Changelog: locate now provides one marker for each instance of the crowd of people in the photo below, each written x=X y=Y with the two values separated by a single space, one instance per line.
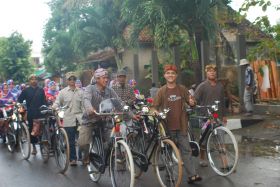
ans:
x=83 y=102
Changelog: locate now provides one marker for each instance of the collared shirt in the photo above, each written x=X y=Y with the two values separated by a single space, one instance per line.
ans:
x=125 y=92
x=91 y=100
x=72 y=99
x=207 y=94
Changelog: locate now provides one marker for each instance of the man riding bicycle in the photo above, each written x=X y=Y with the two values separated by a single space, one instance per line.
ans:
x=93 y=95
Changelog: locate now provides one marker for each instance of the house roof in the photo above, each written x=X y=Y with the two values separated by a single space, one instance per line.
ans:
x=100 y=55
x=251 y=31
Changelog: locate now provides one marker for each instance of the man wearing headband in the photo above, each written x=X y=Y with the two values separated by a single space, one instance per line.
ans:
x=71 y=96
x=174 y=96
x=35 y=98
x=207 y=93
x=93 y=95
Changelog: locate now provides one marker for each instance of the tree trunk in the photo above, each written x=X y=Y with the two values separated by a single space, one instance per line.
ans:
x=118 y=59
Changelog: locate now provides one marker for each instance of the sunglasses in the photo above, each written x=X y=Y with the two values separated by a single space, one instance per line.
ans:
x=72 y=79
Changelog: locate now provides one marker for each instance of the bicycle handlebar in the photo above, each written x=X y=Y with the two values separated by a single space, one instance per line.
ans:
x=108 y=114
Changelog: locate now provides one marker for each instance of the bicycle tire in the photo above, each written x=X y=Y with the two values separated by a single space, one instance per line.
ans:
x=133 y=141
x=11 y=137
x=62 y=150
x=24 y=140
x=168 y=177
x=161 y=128
x=219 y=144
x=44 y=146
x=45 y=153
x=122 y=160
x=95 y=147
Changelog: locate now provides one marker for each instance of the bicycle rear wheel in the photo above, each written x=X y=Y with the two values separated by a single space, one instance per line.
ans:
x=222 y=151
x=92 y=167
x=61 y=150
x=121 y=165
x=24 y=140
x=168 y=164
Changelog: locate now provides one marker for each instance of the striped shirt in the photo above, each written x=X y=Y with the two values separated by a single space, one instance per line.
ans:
x=92 y=98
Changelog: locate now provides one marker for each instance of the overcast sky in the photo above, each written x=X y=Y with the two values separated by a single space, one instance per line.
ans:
x=28 y=17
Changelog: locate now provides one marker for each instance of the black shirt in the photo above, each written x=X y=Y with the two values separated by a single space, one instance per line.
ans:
x=35 y=98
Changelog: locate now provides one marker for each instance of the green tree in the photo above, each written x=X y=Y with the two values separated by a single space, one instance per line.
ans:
x=58 y=51
x=14 y=58
x=165 y=19
x=99 y=26
x=268 y=48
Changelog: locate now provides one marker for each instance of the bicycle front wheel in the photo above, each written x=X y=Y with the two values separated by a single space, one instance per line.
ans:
x=61 y=150
x=136 y=144
x=168 y=164
x=24 y=140
x=222 y=151
x=121 y=165
x=11 y=137
x=96 y=164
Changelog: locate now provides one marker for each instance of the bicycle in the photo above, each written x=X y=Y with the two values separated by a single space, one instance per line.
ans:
x=118 y=155
x=54 y=137
x=15 y=131
x=23 y=135
x=8 y=129
x=221 y=145
x=148 y=141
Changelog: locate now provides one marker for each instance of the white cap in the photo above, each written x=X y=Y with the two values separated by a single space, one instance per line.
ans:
x=243 y=62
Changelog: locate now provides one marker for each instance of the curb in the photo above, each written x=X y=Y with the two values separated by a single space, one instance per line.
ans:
x=238 y=123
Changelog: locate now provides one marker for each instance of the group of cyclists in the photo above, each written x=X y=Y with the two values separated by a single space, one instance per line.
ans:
x=83 y=106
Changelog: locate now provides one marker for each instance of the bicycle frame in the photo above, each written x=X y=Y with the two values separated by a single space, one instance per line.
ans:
x=100 y=160
x=154 y=141
x=212 y=123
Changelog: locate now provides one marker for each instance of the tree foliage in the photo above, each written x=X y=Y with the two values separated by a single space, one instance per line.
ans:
x=90 y=25
x=268 y=48
x=166 y=18
x=59 y=55
x=99 y=26
x=15 y=58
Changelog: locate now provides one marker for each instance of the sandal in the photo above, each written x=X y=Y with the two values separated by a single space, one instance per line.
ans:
x=194 y=178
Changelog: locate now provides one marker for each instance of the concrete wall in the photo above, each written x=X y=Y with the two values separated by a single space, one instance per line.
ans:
x=145 y=57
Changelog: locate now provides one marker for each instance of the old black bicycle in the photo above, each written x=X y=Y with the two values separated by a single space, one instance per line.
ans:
x=219 y=142
x=149 y=145
x=53 y=138
x=114 y=152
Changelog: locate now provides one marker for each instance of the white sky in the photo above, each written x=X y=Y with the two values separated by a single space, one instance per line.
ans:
x=254 y=12
x=28 y=17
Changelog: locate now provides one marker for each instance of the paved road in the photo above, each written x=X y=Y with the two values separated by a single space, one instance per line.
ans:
x=259 y=166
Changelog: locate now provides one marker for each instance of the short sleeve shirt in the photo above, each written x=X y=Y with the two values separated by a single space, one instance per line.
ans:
x=174 y=103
